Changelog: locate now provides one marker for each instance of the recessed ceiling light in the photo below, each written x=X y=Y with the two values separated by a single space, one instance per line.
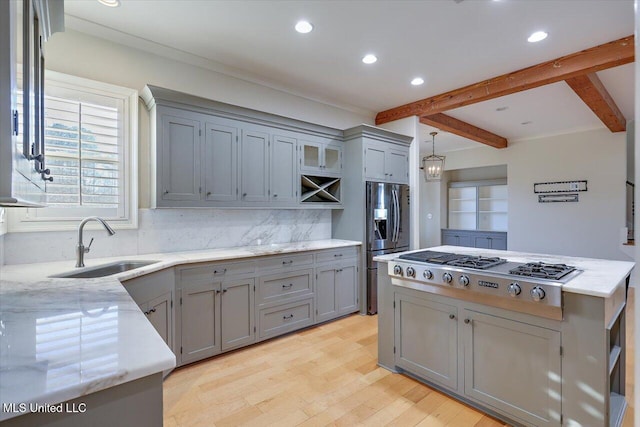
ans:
x=537 y=36
x=110 y=3
x=304 y=27
x=369 y=59
x=417 y=81
x=501 y=108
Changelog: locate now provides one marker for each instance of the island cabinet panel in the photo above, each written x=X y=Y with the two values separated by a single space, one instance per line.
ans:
x=426 y=339
x=180 y=149
x=220 y=157
x=529 y=356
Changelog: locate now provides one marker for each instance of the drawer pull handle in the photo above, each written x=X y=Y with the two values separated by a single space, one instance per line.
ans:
x=290 y=316
x=287 y=262
x=153 y=310
x=287 y=286
x=337 y=255
x=339 y=270
x=467 y=321
x=223 y=271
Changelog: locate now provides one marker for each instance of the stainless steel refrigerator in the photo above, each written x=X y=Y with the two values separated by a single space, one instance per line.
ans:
x=387 y=229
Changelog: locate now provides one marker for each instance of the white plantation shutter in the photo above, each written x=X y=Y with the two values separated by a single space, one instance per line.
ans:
x=90 y=134
x=83 y=153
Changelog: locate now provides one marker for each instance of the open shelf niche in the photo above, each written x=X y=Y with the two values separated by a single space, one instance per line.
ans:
x=319 y=189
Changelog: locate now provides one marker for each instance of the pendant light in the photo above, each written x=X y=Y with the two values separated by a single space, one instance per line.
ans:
x=433 y=165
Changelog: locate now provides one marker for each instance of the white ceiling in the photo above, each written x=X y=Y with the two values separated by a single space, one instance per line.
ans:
x=450 y=44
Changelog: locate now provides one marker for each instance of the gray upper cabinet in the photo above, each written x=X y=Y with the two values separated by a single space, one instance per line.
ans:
x=211 y=154
x=283 y=179
x=180 y=149
x=384 y=162
x=254 y=166
x=221 y=167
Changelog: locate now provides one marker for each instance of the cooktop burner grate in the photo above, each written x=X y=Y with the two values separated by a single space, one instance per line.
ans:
x=542 y=270
x=478 y=262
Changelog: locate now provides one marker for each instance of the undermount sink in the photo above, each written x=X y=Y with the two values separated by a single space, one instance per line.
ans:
x=103 y=270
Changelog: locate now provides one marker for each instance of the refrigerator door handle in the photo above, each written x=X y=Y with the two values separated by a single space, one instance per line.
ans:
x=396 y=216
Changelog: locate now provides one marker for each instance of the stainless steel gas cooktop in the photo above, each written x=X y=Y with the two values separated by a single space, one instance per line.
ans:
x=534 y=287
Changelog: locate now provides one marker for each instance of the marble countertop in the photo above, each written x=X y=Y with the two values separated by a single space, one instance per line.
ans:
x=599 y=277
x=65 y=338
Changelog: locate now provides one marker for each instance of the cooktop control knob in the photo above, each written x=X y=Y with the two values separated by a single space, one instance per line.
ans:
x=537 y=293
x=411 y=272
x=464 y=280
x=397 y=270
x=447 y=277
x=427 y=274
x=514 y=289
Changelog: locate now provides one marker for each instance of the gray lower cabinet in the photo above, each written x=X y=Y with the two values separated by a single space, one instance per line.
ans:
x=336 y=291
x=216 y=309
x=426 y=339
x=527 y=354
x=284 y=318
x=475 y=239
x=509 y=366
x=154 y=295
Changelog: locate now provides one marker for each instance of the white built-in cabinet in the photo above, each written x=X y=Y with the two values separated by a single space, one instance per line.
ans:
x=210 y=154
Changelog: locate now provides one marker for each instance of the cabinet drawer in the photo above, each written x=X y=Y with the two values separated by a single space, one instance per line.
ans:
x=214 y=272
x=285 y=261
x=285 y=318
x=337 y=254
x=277 y=287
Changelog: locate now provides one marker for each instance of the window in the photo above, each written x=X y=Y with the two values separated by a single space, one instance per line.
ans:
x=91 y=150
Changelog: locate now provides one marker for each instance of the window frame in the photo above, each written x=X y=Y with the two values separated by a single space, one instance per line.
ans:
x=36 y=219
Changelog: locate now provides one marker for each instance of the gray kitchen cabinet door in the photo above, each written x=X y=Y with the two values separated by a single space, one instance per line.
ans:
x=326 y=307
x=311 y=156
x=397 y=166
x=374 y=162
x=180 y=148
x=283 y=182
x=426 y=339
x=520 y=363
x=346 y=289
x=254 y=158
x=220 y=162
x=200 y=315
x=237 y=313
x=159 y=313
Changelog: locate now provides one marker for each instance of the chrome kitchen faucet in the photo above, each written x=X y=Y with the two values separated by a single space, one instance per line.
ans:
x=80 y=249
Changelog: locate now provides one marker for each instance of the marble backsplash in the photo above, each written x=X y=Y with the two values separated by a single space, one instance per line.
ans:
x=173 y=230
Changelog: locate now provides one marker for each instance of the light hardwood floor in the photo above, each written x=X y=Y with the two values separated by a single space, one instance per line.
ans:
x=326 y=375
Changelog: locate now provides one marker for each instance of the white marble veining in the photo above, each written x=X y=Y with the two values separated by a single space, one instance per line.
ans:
x=40 y=271
x=599 y=277
x=171 y=230
x=64 y=338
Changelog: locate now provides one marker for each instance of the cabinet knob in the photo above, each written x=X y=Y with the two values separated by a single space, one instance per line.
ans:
x=166 y=191
x=275 y=195
x=244 y=194
x=467 y=321
x=208 y=193
x=452 y=316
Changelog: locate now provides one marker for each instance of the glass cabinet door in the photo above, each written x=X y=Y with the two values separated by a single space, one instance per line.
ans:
x=311 y=156
x=332 y=155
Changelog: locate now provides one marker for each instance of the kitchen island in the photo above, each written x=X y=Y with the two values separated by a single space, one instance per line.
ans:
x=484 y=339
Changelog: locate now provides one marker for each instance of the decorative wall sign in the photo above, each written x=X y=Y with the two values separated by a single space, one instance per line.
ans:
x=551 y=198
x=559 y=187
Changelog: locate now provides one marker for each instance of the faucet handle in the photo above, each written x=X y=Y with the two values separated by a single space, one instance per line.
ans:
x=88 y=248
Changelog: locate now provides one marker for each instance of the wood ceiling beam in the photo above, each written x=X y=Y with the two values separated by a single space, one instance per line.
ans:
x=608 y=55
x=591 y=90
x=466 y=130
